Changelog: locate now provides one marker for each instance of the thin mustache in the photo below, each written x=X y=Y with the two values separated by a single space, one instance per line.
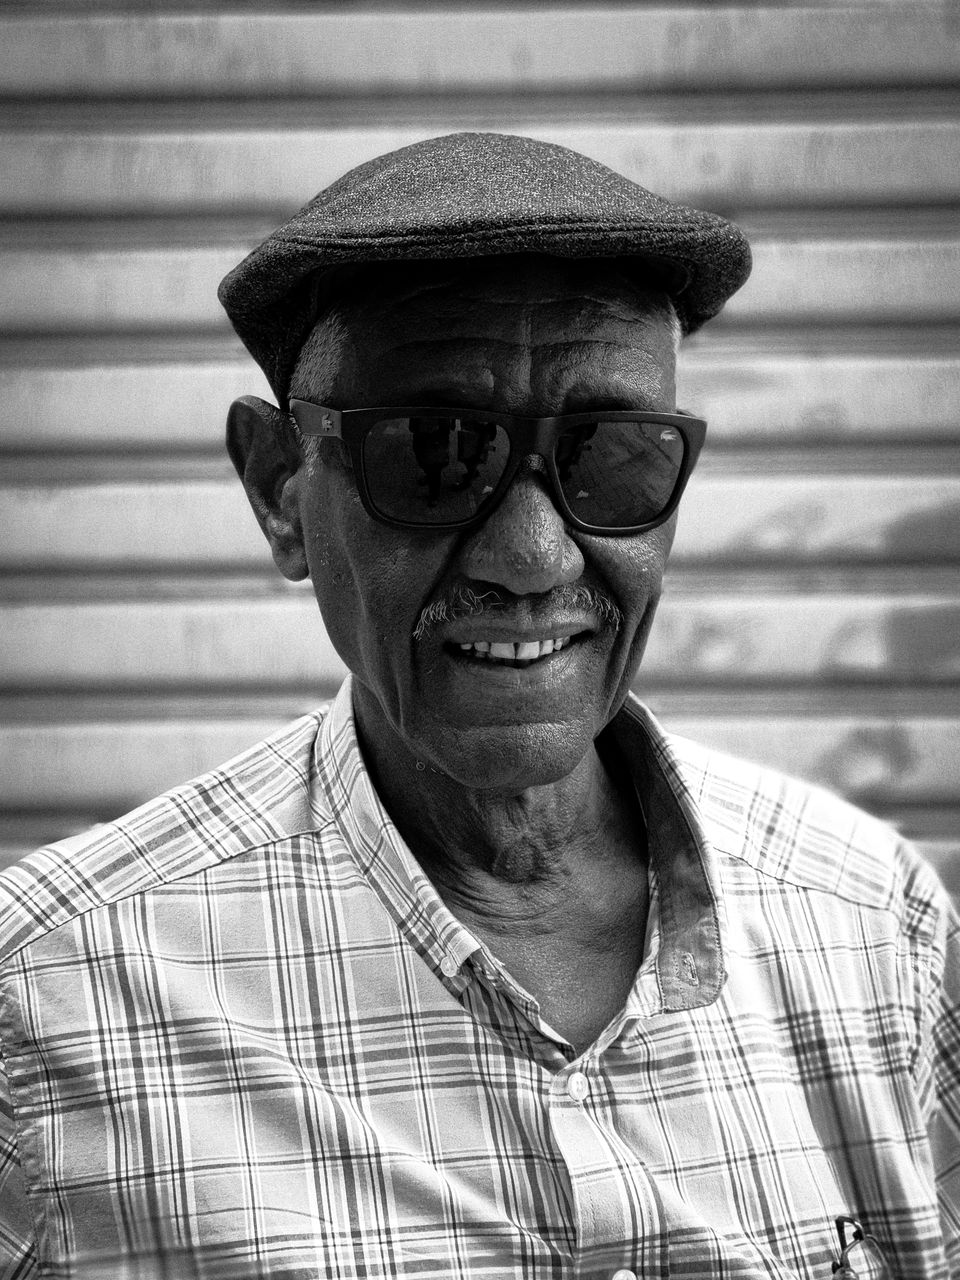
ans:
x=464 y=602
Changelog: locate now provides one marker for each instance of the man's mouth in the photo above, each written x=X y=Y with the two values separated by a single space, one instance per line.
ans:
x=519 y=653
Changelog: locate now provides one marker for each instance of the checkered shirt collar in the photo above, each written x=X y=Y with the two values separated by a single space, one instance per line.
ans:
x=683 y=967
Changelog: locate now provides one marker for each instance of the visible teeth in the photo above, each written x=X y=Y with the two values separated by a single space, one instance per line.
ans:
x=522 y=651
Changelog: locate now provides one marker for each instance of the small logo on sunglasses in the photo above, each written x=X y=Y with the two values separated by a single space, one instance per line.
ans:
x=668 y=436
x=326 y=422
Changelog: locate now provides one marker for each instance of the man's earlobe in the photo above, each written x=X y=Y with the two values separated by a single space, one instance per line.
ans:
x=263 y=449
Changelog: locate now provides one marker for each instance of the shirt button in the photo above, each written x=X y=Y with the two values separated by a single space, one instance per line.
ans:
x=623 y=1275
x=449 y=967
x=578 y=1086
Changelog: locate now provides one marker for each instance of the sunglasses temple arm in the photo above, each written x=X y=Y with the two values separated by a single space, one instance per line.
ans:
x=316 y=419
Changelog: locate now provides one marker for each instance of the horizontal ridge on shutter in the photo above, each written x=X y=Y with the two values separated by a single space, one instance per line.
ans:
x=811 y=620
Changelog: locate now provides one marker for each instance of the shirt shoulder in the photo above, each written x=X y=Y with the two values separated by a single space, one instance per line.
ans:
x=804 y=835
x=260 y=796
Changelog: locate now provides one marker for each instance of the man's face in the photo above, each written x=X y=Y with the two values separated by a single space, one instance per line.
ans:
x=525 y=336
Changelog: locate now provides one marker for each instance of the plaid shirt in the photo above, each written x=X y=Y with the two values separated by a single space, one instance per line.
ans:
x=243 y=1036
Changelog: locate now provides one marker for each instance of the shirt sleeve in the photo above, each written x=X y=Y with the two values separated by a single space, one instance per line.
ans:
x=936 y=962
x=18 y=1254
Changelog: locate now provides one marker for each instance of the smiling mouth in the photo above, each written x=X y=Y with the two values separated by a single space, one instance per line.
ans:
x=521 y=653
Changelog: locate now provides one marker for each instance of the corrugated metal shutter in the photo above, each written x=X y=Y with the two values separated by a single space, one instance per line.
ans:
x=812 y=616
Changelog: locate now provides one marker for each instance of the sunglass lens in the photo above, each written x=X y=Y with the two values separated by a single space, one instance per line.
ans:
x=433 y=470
x=616 y=474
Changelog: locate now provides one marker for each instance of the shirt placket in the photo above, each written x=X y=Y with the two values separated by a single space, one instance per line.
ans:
x=617 y=1224
x=618 y=1217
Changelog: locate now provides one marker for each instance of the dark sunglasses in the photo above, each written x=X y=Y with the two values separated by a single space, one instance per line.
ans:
x=424 y=468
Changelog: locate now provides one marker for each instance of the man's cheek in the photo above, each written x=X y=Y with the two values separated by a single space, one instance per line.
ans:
x=631 y=570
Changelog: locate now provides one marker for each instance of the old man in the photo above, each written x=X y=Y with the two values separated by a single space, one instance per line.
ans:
x=477 y=972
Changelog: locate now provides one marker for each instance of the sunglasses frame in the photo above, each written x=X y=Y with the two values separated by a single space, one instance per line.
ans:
x=852 y=1237
x=527 y=436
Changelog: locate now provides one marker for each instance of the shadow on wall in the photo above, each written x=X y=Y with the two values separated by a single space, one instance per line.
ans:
x=933 y=534
x=920 y=648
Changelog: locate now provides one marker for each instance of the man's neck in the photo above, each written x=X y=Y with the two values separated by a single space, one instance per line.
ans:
x=560 y=857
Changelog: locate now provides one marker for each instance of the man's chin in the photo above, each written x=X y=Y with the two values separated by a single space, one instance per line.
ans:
x=507 y=758
x=502 y=729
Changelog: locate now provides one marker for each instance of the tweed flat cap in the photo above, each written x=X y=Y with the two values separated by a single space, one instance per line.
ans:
x=467 y=195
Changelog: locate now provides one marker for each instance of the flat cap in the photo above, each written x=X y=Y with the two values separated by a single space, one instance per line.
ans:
x=467 y=195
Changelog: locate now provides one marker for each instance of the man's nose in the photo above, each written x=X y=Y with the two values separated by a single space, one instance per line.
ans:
x=523 y=545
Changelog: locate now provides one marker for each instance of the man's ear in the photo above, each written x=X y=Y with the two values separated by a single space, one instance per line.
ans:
x=263 y=448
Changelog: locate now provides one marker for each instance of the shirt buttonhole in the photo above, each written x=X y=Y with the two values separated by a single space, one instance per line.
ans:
x=687 y=969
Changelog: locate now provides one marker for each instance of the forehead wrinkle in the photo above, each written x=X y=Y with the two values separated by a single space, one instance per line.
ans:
x=535 y=296
x=546 y=344
x=473 y=370
x=570 y=346
x=612 y=356
x=453 y=306
x=624 y=377
x=563 y=312
x=579 y=306
x=398 y=295
x=476 y=354
x=601 y=356
x=569 y=316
